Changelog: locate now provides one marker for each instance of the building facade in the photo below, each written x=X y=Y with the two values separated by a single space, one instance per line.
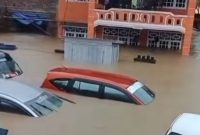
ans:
x=166 y=24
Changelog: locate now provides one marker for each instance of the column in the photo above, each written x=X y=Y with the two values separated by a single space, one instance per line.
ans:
x=188 y=24
x=91 y=19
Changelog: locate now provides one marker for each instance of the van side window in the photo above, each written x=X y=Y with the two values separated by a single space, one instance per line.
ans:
x=76 y=85
x=115 y=94
x=61 y=83
x=89 y=87
x=86 y=88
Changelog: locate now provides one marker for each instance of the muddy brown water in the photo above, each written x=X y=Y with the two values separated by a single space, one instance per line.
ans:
x=174 y=79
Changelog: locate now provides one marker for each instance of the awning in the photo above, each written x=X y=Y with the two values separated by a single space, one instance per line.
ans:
x=28 y=17
x=135 y=25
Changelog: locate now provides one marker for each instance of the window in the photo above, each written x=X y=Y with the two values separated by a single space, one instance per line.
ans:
x=85 y=88
x=181 y=3
x=76 y=85
x=89 y=87
x=175 y=3
x=115 y=94
x=142 y=92
x=76 y=31
x=9 y=69
x=61 y=83
x=44 y=104
x=168 y=3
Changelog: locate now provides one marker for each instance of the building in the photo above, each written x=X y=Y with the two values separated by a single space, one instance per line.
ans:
x=164 y=24
x=19 y=15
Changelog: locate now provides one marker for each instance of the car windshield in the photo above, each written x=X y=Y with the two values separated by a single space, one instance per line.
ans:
x=142 y=92
x=44 y=104
x=9 y=69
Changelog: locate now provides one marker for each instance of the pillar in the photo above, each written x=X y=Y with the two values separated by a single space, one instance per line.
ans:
x=91 y=19
x=61 y=17
x=188 y=24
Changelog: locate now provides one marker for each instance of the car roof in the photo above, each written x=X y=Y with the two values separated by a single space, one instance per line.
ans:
x=116 y=79
x=187 y=124
x=18 y=91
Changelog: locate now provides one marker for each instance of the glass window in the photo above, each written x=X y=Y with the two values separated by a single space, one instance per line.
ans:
x=61 y=83
x=76 y=85
x=9 y=69
x=168 y=3
x=181 y=3
x=76 y=31
x=85 y=88
x=141 y=92
x=175 y=3
x=44 y=104
x=115 y=94
x=89 y=87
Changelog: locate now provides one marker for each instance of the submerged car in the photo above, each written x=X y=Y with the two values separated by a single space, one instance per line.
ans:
x=98 y=84
x=31 y=101
x=8 y=67
x=185 y=124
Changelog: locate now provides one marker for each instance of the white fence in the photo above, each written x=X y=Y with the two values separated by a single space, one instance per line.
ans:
x=92 y=51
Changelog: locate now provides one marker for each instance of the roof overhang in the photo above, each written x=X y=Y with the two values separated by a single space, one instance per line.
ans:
x=139 y=26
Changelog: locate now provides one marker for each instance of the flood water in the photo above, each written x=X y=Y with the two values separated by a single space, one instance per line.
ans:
x=174 y=79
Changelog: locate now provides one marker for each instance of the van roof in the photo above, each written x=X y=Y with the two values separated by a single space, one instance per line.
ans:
x=19 y=91
x=187 y=124
x=121 y=80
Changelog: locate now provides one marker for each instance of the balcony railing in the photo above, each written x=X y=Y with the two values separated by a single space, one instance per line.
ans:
x=140 y=16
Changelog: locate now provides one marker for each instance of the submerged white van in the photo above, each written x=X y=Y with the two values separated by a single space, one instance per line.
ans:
x=185 y=124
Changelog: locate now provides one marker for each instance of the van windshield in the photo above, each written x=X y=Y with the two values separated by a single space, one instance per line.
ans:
x=9 y=69
x=142 y=92
x=44 y=104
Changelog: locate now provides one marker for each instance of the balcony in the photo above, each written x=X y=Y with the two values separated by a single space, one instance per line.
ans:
x=139 y=19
